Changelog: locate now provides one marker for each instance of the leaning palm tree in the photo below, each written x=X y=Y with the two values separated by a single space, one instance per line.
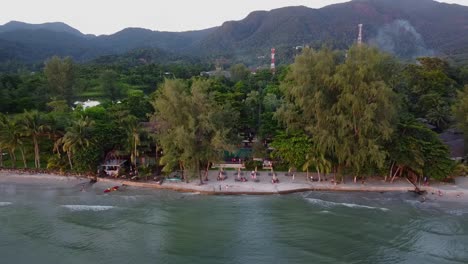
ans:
x=10 y=138
x=32 y=124
x=319 y=161
x=76 y=137
x=7 y=139
x=3 y=122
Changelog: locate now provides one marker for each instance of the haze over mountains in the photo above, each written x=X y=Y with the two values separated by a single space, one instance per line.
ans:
x=408 y=28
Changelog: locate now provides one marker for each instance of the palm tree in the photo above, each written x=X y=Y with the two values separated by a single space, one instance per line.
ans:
x=76 y=137
x=32 y=124
x=320 y=162
x=3 y=122
x=134 y=131
x=10 y=136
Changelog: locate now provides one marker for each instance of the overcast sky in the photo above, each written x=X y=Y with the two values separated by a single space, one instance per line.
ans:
x=110 y=16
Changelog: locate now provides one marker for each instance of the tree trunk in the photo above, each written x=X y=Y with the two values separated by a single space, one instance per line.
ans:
x=37 y=159
x=13 y=158
x=416 y=188
x=24 y=158
x=197 y=167
x=355 y=178
x=1 y=157
x=335 y=169
x=69 y=159
x=135 y=152
x=307 y=174
x=340 y=170
x=206 y=171
x=156 y=160
x=396 y=172
x=182 y=168
x=318 y=173
x=184 y=175
x=390 y=173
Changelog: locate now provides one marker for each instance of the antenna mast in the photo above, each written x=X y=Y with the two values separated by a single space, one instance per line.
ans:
x=359 y=39
x=273 y=66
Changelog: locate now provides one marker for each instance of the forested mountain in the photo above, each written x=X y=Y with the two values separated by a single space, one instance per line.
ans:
x=54 y=26
x=408 y=28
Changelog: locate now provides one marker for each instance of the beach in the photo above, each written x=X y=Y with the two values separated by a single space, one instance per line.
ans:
x=457 y=191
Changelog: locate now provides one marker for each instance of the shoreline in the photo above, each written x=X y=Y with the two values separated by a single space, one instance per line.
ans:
x=287 y=185
x=244 y=189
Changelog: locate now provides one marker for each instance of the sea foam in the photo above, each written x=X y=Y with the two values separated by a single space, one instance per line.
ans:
x=77 y=207
x=329 y=204
x=5 y=203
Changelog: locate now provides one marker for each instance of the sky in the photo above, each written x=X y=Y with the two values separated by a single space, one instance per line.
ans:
x=109 y=16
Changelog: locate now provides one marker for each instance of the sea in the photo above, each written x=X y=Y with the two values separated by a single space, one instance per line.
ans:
x=79 y=223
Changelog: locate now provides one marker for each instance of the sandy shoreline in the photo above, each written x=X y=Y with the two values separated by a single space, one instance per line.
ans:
x=437 y=191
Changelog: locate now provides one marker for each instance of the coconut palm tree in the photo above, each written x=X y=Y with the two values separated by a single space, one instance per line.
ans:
x=10 y=138
x=134 y=132
x=319 y=161
x=76 y=137
x=3 y=122
x=33 y=124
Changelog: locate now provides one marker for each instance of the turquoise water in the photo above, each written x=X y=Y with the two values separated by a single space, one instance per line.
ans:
x=61 y=224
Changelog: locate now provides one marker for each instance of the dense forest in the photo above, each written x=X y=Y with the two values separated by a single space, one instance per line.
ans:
x=359 y=112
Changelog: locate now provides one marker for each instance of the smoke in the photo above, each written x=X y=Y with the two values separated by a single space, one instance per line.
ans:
x=401 y=39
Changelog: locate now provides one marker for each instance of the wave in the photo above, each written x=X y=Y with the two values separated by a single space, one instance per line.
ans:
x=5 y=203
x=95 y=208
x=329 y=204
x=191 y=193
x=129 y=197
x=458 y=212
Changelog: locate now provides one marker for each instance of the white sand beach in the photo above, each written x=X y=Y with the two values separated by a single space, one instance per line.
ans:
x=287 y=184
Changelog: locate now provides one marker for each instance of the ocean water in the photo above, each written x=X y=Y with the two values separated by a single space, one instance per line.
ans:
x=61 y=224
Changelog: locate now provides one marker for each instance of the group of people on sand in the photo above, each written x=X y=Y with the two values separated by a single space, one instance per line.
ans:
x=240 y=178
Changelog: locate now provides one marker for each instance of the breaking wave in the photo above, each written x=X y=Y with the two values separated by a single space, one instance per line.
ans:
x=5 y=203
x=328 y=204
x=88 y=207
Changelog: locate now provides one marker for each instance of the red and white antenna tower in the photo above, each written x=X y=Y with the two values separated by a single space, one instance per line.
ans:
x=359 y=39
x=273 y=66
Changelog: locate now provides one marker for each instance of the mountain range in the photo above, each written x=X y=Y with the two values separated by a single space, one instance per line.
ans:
x=407 y=28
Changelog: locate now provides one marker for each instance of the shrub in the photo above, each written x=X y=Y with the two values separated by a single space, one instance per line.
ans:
x=251 y=164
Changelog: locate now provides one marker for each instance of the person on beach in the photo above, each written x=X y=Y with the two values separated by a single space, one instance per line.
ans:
x=426 y=181
x=239 y=177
